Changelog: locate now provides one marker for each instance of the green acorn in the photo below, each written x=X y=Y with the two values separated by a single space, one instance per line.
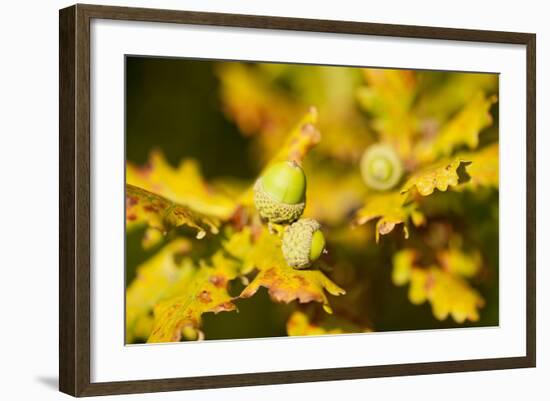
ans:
x=280 y=193
x=303 y=243
x=381 y=167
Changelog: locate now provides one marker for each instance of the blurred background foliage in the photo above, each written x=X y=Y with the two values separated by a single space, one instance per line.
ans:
x=423 y=255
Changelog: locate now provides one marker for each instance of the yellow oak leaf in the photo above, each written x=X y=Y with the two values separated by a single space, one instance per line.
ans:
x=298 y=143
x=260 y=109
x=158 y=212
x=484 y=170
x=338 y=112
x=461 y=130
x=403 y=262
x=301 y=139
x=448 y=293
x=154 y=281
x=201 y=289
x=457 y=88
x=332 y=91
x=391 y=209
x=389 y=96
x=265 y=111
x=261 y=250
x=249 y=98
x=440 y=175
x=389 y=93
x=458 y=262
x=464 y=128
x=300 y=324
x=183 y=185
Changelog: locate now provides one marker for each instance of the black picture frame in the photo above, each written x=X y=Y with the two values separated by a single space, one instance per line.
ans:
x=74 y=199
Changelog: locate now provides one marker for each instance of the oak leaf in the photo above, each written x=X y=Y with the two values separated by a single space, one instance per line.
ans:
x=160 y=213
x=261 y=250
x=454 y=260
x=332 y=91
x=465 y=127
x=201 y=289
x=154 y=281
x=183 y=184
x=391 y=209
x=301 y=324
x=389 y=97
x=300 y=140
x=448 y=293
x=249 y=99
x=260 y=109
x=441 y=176
x=484 y=170
x=447 y=97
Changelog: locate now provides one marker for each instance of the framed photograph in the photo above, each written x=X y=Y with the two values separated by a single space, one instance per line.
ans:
x=250 y=200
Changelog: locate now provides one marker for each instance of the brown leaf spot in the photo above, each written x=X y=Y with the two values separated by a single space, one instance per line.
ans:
x=150 y=208
x=218 y=281
x=205 y=297
x=270 y=274
x=239 y=218
x=302 y=280
x=131 y=200
x=224 y=307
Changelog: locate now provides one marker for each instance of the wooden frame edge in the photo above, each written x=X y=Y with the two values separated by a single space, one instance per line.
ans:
x=74 y=199
x=67 y=296
x=290 y=377
x=74 y=203
x=531 y=200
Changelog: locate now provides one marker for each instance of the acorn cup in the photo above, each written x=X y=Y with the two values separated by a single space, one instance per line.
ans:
x=279 y=194
x=381 y=167
x=303 y=243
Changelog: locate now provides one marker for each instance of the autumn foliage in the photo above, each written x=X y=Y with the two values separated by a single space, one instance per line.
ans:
x=421 y=254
